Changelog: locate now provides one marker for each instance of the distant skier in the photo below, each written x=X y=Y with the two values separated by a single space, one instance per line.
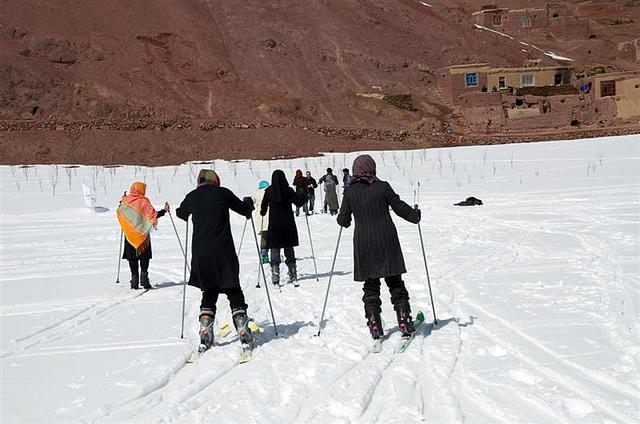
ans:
x=346 y=178
x=311 y=190
x=282 y=232
x=376 y=248
x=137 y=217
x=262 y=222
x=214 y=263
x=330 y=182
x=300 y=184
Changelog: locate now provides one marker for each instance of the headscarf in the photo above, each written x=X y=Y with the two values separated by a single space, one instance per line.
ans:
x=208 y=177
x=263 y=184
x=137 y=217
x=279 y=185
x=364 y=169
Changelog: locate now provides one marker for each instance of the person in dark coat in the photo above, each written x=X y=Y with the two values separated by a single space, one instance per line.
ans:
x=300 y=183
x=137 y=217
x=282 y=232
x=376 y=247
x=311 y=190
x=214 y=263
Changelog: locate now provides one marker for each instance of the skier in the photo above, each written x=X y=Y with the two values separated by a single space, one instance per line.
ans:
x=282 y=232
x=137 y=217
x=262 y=221
x=376 y=248
x=214 y=263
x=330 y=182
x=346 y=178
x=300 y=183
x=311 y=190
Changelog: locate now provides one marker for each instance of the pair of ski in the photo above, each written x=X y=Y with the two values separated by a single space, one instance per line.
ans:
x=246 y=350
x=406 y=341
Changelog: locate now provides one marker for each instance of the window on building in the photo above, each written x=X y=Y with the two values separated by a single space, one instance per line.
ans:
x=502 y=82
x=526 y=21
x=607 y=88
x=557 y=79
x=527 y=80
x=497 y=19
x=555 y=15
x=471 y=79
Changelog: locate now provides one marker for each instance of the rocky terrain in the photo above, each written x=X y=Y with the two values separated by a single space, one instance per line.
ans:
x=251 y=78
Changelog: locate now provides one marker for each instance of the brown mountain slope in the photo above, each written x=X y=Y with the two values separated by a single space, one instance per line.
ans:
x=298 y=61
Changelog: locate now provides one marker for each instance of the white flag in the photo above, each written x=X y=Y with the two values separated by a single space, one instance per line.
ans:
x=89 y=196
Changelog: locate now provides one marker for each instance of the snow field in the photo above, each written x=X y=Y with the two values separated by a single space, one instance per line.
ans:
x=536 y=294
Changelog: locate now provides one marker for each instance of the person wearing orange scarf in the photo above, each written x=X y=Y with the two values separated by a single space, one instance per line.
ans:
x=138 y=217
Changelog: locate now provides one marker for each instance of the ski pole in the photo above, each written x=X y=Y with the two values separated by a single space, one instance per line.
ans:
x=184 y=284
x=259 y=266
x=326 y=297
x=120 y=248
x=426 y=268
x=178 y=237
x=313 y=255
x=259 y=260
x=264 y=277
x=119 y=256
x=242 y=238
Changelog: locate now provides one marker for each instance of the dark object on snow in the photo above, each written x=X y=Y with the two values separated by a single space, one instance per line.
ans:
x=471 y=201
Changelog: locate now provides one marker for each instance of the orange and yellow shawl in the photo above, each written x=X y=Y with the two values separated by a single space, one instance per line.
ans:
x=137 y=217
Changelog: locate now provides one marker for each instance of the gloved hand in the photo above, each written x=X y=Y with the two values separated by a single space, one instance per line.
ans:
x=166 y=206
x=249 y=201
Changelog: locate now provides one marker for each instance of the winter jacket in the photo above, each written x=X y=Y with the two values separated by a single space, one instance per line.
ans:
x=376 y=248
x=262 y=222
x=282 y=231
x=214 y=264
x=311 y=185
x=300 y=184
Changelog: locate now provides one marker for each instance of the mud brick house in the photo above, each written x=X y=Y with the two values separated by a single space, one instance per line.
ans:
x=616 y=95
x=459 y=80
x=554 y=17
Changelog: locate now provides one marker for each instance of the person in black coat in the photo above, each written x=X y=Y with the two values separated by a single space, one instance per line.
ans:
x=214 y=263
x=282 y=232
x=311 y=190
x=376 y=247
x=300 y=183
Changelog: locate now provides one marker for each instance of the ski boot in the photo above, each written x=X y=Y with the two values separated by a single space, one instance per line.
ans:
x=135 y=281
x=242 y=324
x=403 y=312
x=374 y=322
x=144 y=280
x=293 y=274
x=206 y=330
x=275 y=274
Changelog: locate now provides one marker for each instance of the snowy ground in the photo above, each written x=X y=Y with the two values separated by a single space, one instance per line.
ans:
x=536 y=293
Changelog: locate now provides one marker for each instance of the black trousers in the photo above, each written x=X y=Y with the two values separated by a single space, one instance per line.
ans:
x=371 y=297
x=133 y=265
x=234 y=294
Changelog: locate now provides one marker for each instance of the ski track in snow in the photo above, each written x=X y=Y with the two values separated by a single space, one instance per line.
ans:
x=536 y=295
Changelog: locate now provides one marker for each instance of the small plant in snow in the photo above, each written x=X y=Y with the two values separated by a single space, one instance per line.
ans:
x=53 y=178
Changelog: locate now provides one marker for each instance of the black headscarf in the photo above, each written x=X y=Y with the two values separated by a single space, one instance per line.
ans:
x=279 y=185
